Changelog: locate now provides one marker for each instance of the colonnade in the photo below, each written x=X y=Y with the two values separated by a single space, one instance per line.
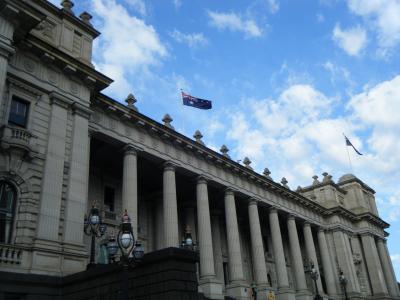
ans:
x=379 y=267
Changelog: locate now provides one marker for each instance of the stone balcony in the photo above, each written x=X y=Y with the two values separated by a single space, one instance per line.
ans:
x=16 y=138
x=10 y=254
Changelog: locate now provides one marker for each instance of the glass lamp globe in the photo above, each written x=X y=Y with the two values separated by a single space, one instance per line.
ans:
x=94 y=219
x=112 y=247
x=189 y=241
x=138 y=251
x=126 y=240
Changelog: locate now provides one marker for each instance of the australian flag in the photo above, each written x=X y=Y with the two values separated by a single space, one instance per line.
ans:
x=195 y=102
x=348 y=143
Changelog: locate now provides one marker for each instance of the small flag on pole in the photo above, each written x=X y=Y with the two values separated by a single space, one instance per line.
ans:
x=195 y=102
x=348 y=143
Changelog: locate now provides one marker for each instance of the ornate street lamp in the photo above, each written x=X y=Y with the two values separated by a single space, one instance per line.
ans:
x=94 y=227
x=131 y=250
x=343 y=283
x=187 y=241
x=314 y=276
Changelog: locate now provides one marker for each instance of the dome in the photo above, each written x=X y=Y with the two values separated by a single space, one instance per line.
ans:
x=347 y=177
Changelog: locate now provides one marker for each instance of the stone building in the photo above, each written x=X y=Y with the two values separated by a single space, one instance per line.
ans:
x=63 y=144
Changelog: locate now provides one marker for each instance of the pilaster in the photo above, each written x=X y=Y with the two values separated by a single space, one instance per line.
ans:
x=77 y=194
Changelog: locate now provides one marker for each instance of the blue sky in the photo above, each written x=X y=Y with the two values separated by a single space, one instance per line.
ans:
x=286 y=79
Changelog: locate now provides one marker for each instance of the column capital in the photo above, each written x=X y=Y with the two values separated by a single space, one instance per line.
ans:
x=130 y=149
x=81 y=110
x=273 y=209
x=321 y=229
x=291 y=217
x=253 y=201
x=380 y=239
x=202 y=179
x=169 y=166
x=229 y=191
x=60 y=100
x=307 y=224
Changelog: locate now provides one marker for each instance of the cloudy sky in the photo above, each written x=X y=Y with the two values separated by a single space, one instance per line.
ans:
x=286 y=78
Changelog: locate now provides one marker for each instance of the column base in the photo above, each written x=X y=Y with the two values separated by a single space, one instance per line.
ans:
x=237 y=290
x=285 y=293
x=262 y=290
x=211 y=288
x=303 y=295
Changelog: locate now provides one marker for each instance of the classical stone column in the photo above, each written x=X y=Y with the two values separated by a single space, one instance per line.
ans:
x=393 y=275
x=129 y=185
x=374 y=266
x=171 y=232
x=311 y=253
x=208 y=281
x=53 y=173
x=386 y=266
x=330 y=276
x=77 y=193
x=257 y=247
x=217 y=247
x=236 y=287
x=279 y=256
x=345 y=261
x=295 y=251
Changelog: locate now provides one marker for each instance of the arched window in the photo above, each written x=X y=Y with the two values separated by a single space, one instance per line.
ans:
x=8 y=199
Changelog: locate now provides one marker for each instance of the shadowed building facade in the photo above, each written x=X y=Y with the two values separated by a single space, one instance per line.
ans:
x=64 y=144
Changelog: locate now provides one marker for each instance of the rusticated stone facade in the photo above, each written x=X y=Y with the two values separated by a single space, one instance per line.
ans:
x=64 y=144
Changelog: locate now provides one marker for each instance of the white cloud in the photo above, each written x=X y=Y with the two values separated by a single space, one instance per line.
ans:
x=137 y=5
x=377 y=109
x=273 y=6
x=234 y=22
x=119 y=53
x=352 y=40
x=383 y=16
x=190 y=39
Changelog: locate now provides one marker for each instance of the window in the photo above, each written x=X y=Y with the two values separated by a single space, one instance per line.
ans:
x=18 y=112
x=109 y=195
x=8 y=198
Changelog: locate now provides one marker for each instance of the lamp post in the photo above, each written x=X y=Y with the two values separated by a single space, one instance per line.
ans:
x=343 y=283
x=94 y=227
x=130 y=248
x=314 y=276
x=187 y=241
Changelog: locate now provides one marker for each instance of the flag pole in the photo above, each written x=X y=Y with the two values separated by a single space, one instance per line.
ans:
x=348 y=156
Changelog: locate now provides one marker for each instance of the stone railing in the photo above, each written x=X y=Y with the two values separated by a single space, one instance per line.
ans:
x=10 y=254
x=15 y=137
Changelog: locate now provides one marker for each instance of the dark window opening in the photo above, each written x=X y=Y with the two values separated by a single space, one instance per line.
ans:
x=109 y=198
x=18 y=112
x=266 y=246
x=8 y=198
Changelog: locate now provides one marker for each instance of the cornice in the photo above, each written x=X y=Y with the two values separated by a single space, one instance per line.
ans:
x=154 y=128
x=68 y=16
x=67 y=63
x=323 y=184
